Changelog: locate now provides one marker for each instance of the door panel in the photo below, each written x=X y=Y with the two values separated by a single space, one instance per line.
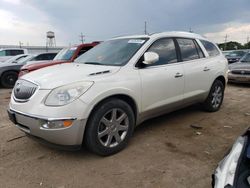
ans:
x=162 y=88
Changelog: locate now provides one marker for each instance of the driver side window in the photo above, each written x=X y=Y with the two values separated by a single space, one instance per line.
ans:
x=165 y=48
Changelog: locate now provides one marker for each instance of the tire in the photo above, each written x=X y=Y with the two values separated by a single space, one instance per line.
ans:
x=109 y=127
x=8 y=79
x=215 y=97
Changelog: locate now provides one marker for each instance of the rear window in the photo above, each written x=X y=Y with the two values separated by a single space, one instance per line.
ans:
x=212 y=50
x=188 y=49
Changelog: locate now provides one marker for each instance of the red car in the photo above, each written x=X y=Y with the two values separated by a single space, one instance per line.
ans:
x=66 y=55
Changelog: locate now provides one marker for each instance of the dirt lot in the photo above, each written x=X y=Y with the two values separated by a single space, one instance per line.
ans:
x=164 y=152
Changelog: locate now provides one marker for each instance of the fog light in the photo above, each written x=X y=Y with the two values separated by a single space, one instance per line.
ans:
x=57 y=124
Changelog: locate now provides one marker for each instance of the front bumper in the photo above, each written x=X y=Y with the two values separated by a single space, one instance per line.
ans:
x=237 y=78
x=70 y=137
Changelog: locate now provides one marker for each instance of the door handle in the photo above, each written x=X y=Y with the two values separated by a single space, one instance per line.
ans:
x=178 y=75
x=206 y=69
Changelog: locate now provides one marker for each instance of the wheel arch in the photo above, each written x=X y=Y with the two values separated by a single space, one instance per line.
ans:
x=126 y=98
x=222 y=79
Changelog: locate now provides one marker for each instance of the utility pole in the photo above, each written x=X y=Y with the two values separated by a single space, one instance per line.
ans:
x=145 y=28
x=190 y=30
x=82 y=38
x=247 y=39
x=20 y=44
x=225 y=43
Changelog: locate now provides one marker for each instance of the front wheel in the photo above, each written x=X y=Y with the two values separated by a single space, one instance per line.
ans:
x=215 y=97
x=8 y=79
x=109 y=127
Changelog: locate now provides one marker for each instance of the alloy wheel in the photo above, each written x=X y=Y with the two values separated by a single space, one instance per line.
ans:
x=113 y=128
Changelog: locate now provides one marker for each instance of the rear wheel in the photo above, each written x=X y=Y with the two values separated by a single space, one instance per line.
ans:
x=8 y=79
x=215 y=97
x=109 y=127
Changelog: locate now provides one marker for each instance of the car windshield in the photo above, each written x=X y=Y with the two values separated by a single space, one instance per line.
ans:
x=11 y=60
x=25 y=60
x=65 y=54
x=115 y=52
x=246 y=58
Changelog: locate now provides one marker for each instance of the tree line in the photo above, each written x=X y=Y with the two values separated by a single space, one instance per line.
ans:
x=232 y=45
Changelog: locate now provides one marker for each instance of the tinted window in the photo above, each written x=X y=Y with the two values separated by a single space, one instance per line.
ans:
x=13 y=52
x=42 y=57
x=188 y=49
x=211 y=48
x=165 y=48
x=83 y=50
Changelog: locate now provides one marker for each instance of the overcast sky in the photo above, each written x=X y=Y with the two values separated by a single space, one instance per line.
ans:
x=29 y=20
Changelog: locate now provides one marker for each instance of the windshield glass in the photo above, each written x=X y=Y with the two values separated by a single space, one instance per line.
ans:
x=25 y=60
x=11 y=60
x=65 y=54
x=113 y=52
x=246 y=58
x=236 y=54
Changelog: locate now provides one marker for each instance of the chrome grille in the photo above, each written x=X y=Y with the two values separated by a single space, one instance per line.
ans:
x=23 y=90
x=241 y=72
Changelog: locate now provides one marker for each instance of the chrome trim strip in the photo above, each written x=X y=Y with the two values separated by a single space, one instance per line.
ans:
x=42 y=117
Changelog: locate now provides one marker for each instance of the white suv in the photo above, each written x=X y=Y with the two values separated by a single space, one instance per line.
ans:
x=99 y=99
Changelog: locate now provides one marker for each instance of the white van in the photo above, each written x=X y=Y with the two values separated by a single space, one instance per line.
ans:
x=9 y=52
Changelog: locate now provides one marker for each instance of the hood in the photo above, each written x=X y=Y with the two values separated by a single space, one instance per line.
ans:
x=41 y=64
x=240 y=66
x=7 y=64
x=63 y=74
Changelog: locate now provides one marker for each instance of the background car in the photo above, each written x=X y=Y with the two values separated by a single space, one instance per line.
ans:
x=240 y=71
x=10 y=69
x=42 y=57
x=7 y=53
x=66 y=55
x=234 y=170
x=235 y=55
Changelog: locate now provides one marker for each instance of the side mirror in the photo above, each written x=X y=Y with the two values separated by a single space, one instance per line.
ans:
x=150 y=58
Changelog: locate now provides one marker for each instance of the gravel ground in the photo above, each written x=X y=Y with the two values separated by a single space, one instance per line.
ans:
x=163 y=152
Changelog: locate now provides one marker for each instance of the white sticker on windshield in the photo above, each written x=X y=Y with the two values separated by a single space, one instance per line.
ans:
x=73 y=48
x=136 y=41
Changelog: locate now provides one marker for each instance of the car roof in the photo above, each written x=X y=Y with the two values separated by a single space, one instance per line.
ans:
x=166 y=34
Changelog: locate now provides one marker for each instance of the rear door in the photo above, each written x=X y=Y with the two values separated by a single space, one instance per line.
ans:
x=195 y=68
x=163 y=81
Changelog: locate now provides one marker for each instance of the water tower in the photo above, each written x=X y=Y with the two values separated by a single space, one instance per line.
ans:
x=51 y=39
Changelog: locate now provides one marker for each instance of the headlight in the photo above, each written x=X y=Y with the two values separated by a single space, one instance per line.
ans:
x=66 y=94
x=225 y=173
